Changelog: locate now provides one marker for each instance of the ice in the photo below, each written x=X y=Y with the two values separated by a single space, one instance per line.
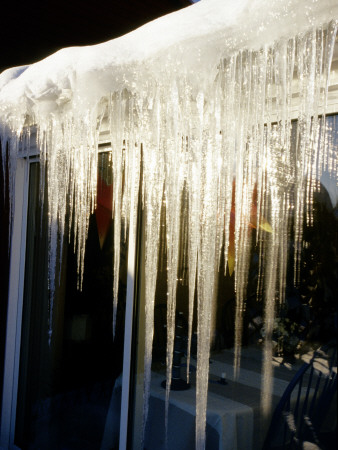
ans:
x=153 y=178
x=116 y=114
x=174 y=154
x=205 y=275
x=193 y=187
x=199 y=105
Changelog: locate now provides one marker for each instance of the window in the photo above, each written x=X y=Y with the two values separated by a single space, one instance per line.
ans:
x=305 y=320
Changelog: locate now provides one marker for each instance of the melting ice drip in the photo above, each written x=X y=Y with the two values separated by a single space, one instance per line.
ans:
x=238 y=128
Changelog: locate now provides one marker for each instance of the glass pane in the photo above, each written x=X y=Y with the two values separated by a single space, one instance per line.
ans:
x=306 y=319
x=69 y=389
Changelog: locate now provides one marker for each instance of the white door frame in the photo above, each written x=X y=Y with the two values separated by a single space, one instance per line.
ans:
x=14 y=312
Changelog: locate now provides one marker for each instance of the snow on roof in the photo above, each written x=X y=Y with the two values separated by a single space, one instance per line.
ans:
x=185 y=42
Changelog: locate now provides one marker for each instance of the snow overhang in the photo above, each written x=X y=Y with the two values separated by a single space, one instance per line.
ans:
x=190 y=42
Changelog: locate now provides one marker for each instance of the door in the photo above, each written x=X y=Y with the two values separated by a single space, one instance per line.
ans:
x=66 y=371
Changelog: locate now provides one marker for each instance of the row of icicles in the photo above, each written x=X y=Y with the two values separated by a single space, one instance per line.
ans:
x=240 y=163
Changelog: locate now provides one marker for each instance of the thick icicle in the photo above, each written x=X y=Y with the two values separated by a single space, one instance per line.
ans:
x=205 y=278
x=193 y=186
x=117 y=119
x=153 y=178
x=174 y=178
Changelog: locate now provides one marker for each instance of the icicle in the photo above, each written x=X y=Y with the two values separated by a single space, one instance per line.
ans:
x=116 y=114
x=174 y=178
x=244 y=184
x=153 y=175
x=193 y=186
x=205 y=278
